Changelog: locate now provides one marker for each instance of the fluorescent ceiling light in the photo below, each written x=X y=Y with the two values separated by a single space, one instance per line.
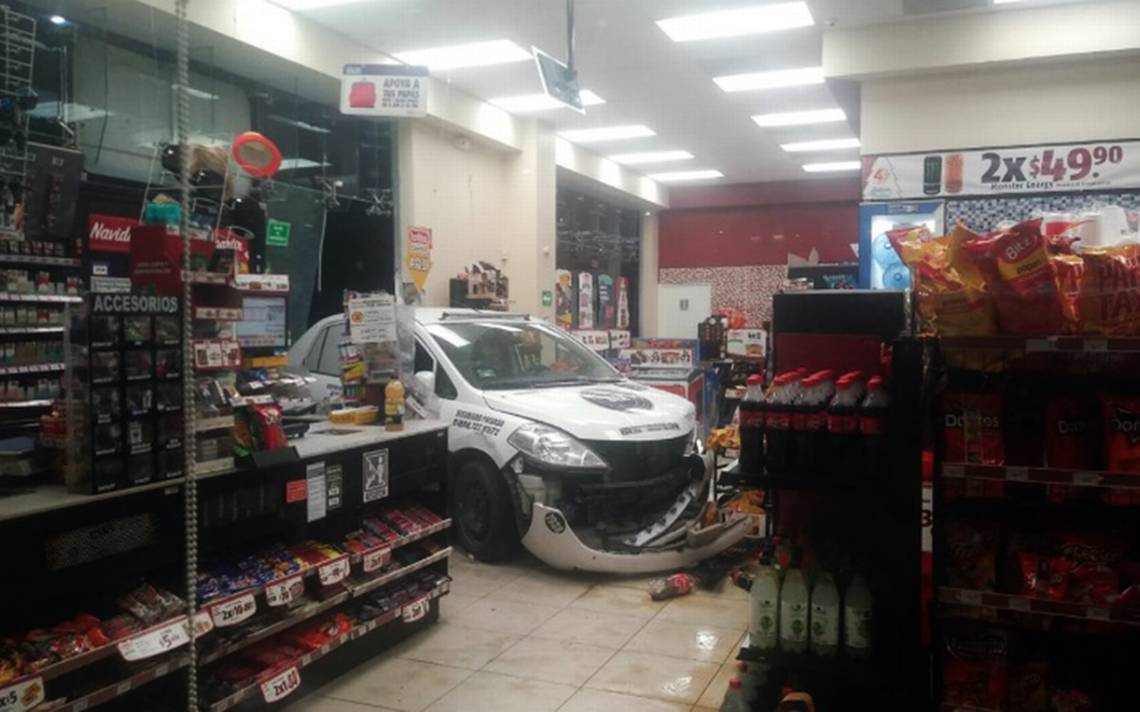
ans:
x=542 y=102
x=640 y=159
x=310 y=4
x=474 y=54
x=827 y=144
x=294 y=164
x=798 y=118
x=679 y=176
x=776 y=79
x=197 y=93
x=58 y=20
x=607 y=133
x=831 y=167
x=754 y=20
x=1005 y=2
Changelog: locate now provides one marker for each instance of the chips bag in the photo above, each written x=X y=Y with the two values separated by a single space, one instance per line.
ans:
x=973 y=428
x=1121 y=432
x=1110 y=291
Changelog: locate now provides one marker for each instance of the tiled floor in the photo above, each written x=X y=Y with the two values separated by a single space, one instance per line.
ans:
x=521 y=637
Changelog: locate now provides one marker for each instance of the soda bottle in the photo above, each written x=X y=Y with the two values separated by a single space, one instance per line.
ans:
x=752 y=428
x=809 y=421
x=778 y=423
x=873 y=428
x=843 y=423
x=734 y=697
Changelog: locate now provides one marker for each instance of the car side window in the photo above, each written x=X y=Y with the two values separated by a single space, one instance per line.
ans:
x=423 y=360
x=444 y=388
x=313 y=358
x=329 y=364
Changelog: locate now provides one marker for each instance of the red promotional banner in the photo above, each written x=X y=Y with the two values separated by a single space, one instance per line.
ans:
x=109 y=233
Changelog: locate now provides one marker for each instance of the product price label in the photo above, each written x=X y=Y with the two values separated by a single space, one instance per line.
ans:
x=22 y=695
x=1088 y=479
x=203 y=623
x=1098 y=613
x=1017 y=474
x=416 y=610
x=156 y=641
x=283 y=592
x=234 y=610
x=1096 y=345
x=1019 y=604
x=375 y=559
x=280 y=685
x=334 y=571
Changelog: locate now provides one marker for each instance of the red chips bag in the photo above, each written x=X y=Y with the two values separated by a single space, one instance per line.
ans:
x=973 y=428
x=1121 y=432
x=1043 y=577
x=1110 y=291
x=1069 y=430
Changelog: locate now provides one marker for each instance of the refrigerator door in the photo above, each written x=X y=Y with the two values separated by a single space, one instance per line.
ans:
x=879 y=265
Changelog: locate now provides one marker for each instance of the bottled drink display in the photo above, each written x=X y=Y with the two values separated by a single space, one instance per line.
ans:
x=752 y=426
x=843 y=421
x=809 y=420
x=872 y=427
x=778 y=422
x=824 y=615
x=794 y=613
x=857 y=606
x=765 y=595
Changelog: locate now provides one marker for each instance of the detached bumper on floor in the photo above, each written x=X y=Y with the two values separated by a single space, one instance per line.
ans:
x=552 y=540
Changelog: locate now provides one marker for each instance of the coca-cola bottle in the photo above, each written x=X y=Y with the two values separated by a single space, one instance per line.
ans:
x=778 y=423
x=752 y=428
x=843 y=424
x=809 y=421
x=873 y=413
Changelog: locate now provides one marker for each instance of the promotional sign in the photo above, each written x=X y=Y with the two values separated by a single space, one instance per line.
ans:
x=372 y=318
x=383 y=90
x=417 y=255
x=280 y=685
x=233 y=611
x=750 y=343
x=607 y=304
x=597 y=340
x=109 y=233
x=280 y=593
x=171 y=635
x=585 y=300
x=622 y=321
x=564 y=306
x=22 y=695
x=1068 y=167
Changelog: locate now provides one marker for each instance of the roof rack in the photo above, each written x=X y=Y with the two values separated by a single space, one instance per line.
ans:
x=482 y=314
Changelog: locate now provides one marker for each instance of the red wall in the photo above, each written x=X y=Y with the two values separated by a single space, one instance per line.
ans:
x=759 y=223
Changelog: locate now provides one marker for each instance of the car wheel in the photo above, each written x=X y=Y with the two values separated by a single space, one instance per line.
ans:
x=481 y=510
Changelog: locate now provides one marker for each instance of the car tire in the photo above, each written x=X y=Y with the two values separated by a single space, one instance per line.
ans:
x=481 y=509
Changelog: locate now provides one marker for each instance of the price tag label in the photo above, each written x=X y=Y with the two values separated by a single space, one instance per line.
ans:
x=1098 y=613
x=952 y=470
x=1096 y=345
x=970 y=598
x=285 y=591
x=234 y=610
x=280 y=685
x=1019 y=604
x=1088 y=479
x=1037 y=345
x=334 y=571
x=203 y=623
x=375 y=559
x=22 y=695
x=1017 y=474
x=416 y=610
x=157 y=641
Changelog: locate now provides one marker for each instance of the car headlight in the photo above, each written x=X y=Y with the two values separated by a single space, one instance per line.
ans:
x=551 y=446
x=695 y=445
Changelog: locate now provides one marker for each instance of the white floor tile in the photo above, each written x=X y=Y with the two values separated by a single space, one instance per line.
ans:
x=454 y=645
x=692 y=641
x=405 y=685
x=657 y=676
x=551 y=661
x=608 y=630
x=504 y=616
x=489 y=692
x=587 y=700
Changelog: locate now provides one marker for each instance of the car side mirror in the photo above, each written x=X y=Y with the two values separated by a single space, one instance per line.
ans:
x=426 y=380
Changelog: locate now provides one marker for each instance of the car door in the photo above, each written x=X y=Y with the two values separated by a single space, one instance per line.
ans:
x=322 y=364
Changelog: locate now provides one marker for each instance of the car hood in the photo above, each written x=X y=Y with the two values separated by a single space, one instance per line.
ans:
x=605 y=411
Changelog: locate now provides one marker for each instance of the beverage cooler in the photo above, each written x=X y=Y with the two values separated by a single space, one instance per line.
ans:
x=879 y=264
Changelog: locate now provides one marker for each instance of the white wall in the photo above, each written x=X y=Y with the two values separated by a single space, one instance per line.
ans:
x=1009 y=105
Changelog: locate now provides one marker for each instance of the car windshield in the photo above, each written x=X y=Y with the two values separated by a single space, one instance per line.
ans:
x=495 y=355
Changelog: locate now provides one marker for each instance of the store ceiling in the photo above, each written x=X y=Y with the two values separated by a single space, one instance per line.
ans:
x=644 y=77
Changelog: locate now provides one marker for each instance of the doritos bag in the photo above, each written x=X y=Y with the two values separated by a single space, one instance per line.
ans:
x=1070 y=430
x=973 y=428
x=1110 y=291
x=1121 y=432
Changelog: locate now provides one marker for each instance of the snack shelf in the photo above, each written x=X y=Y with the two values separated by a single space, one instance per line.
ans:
x=1042 y=475
x=251 y=691
x=20 y=330
x=220 y=422
x=301 y=615
x=359 y=588
x=31 y=368
x=218 y=313
x=39 y=260
x=36 y=403
x=1045 y=344
x=46 y=298
x=118 y=689
x=411 y=538
x=214 y=467
x=1027 y=604
x=212 y=278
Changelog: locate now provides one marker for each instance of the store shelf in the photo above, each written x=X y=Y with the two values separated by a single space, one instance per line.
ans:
x=104 y=695
x=1044 y=344
x=217 y=279
x=31 y=368
x=48 y=498
x=218 y=313
x=254 y=690
x=359 y=588
x=1026 y=604
x=411 y=538
x=39 y=260
x=24 y=330
x=220 y=422
x=214 y=467
x=36 y=403
x=1042 y=475
x=42 y=298
x=300 y=615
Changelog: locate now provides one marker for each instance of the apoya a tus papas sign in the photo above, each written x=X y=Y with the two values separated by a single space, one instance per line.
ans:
x=1069 y=167
x=384 y=90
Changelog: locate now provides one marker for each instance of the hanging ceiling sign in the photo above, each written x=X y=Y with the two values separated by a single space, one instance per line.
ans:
x=383 y=90
x=417 y=255
x=1056 y=168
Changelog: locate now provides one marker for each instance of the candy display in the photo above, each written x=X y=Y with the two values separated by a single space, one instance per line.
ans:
x=259 y=569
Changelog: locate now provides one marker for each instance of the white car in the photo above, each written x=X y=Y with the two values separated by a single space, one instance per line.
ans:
x=550 y=445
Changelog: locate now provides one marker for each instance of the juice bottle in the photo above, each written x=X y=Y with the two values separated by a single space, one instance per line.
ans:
x=824 y=616
x=765 y=595
x=752 y=427
x=857 y=618
x=794 y=613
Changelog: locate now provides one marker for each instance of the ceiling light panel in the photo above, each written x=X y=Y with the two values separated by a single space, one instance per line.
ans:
x=800 y=118
x=542 y=102
x=776 y=79
x=753 y=20
x=607 y=133
x=827 y=144
x=648 y=157
x=311 y=4
x=832 y=167
x=474 y=54
x=682 y=176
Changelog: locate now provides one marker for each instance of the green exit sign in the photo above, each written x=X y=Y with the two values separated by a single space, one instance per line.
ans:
x=277 y=233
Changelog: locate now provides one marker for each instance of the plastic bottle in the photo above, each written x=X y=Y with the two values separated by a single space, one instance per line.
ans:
x=824 y=615
x=809 y=422
x=794 y=611
x=734 y=697
x=394 y=405
x=857 y=618
x=873 y=415
x=765 y=595
x=752 y=428
x=679 y=584
x=843 y=424
x=778 y=423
